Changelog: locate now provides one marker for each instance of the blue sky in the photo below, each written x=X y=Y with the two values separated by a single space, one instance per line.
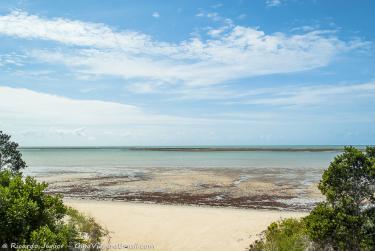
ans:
x=262 y=72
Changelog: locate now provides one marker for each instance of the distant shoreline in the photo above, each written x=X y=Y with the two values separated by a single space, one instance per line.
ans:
x=234 y=149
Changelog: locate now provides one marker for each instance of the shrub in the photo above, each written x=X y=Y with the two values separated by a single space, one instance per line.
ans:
x=344 y=222
x=30 y=216
x=284 y=235
x=89 y=230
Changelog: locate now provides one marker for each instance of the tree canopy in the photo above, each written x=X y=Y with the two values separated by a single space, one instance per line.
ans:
x=10 y=157
x=346 y=220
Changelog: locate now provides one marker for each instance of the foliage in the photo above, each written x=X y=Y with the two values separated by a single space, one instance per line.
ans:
x=90 y=231
x=346 y=220
x=10 y=157
x=24 y=208
x=284 y=235
x=30 y=216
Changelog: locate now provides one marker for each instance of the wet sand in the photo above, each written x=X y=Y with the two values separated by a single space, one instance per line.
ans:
x=276 y=189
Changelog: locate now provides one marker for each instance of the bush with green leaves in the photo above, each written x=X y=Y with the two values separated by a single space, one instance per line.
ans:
x=284 y=235
x=30 y=216
x=345 y=221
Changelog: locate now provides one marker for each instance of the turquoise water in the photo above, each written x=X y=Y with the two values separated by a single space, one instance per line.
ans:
x=42 y=161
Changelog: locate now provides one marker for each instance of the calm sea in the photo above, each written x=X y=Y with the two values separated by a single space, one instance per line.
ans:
x=114 y=160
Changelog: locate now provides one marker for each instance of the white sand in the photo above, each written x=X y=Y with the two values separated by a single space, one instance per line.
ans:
x=180 y=227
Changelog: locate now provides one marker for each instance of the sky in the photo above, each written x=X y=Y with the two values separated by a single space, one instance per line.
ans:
x=160 y=72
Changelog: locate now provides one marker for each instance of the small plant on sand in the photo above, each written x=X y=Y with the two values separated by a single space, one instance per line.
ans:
x=284 y=235
x=30 y=216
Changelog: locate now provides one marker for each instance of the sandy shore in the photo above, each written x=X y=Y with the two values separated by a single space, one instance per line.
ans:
x=177 y=228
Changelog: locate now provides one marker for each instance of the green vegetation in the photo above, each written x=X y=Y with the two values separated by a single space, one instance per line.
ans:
x=30 y=216
x=345 y=221
x=284 y=235
x=10 y=157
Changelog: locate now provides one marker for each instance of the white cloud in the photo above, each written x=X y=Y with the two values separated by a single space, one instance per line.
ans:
x=214 y=16
x=216 y=32
x=278 y=97
x=145 y=87
x=229 y=52
x=80 y=132
x=315 y=95
x=76 y=132
x=42 y=119
x=200 y=14
x=23 y=25
x=38 y=119
x=45 y=109
x=216 y=6
x=241 y=16
x=156 y=14
x=273 y=3
x=11 y=59
x=35 y=118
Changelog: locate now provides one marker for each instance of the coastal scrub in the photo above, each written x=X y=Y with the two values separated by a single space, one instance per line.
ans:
x=345 y=221
x=32 y=218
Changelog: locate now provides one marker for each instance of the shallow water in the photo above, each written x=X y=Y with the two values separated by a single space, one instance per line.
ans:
x=114 y=160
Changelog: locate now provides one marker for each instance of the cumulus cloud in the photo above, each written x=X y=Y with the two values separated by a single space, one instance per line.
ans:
x=156 y=14
x=226 y=53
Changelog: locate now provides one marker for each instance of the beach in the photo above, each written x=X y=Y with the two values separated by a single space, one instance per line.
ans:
x=258 y=178
x=183 y=198
x=222 y=188
x=187 y=125
x=177 y=227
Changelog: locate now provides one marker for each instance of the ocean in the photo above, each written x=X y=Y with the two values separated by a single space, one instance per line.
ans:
x=110 y=160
